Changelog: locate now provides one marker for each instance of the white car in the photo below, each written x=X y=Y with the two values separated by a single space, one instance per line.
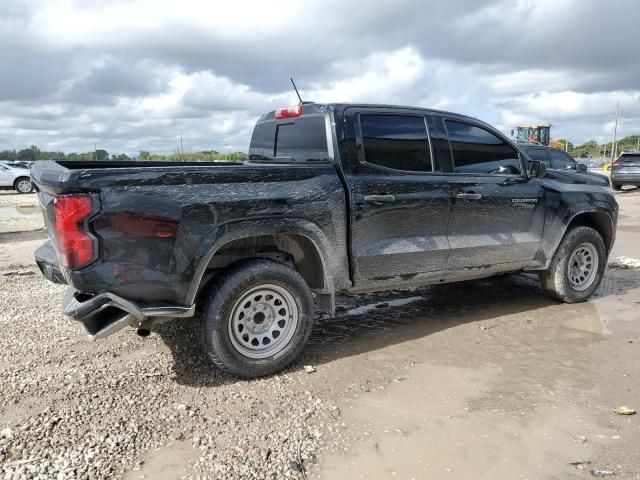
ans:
x=15 y=177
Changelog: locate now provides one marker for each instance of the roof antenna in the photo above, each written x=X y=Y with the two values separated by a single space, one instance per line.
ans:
x=296 y=89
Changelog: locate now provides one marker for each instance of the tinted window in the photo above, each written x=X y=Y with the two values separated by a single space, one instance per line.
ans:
x=630 y=158
x=263 y=141
x=396 y=141
x=561 y=161
x=301 y=140
x=476 y=150
x=537 y=153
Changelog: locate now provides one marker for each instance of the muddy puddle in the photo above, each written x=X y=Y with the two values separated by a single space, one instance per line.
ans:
x=440 y=427
x=10 y=212
x=23 y=217
x=171 y=462
x=497 y=383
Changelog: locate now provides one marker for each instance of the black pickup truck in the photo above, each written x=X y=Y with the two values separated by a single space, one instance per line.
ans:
x=334 y=198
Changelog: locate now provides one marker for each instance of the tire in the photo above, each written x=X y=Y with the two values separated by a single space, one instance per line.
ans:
x=237 y=312
x=23 y=185
x=616 y=187
x=571 y=285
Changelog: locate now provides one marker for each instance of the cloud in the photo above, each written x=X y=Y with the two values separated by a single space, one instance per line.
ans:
x=138 y=74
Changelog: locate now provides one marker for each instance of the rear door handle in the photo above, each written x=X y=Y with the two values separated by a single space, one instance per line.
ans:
x=468 y=196
x=379 y=198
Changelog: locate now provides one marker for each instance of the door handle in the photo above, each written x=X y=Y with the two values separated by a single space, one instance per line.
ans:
x=379 y=198
x=468 y=196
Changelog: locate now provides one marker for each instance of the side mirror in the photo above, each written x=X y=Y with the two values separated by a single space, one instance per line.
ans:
x=537 y=169
x=581 y=167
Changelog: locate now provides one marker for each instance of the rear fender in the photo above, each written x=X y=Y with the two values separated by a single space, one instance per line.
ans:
x=333 y=257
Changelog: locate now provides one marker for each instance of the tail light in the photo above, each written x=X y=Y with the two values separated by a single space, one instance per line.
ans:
x=77 y=248
x=289 y=112
x=617 y=164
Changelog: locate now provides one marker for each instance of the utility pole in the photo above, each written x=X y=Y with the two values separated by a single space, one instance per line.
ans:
x=615 y=132
x=638 y=144
x=181 y=150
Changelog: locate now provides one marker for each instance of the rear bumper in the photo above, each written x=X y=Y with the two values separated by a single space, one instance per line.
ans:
x=47 y=261
x=626 y=179
x=104 y=313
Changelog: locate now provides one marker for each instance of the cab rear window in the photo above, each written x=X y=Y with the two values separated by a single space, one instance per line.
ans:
x=302 y=139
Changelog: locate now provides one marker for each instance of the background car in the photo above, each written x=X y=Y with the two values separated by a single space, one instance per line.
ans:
x=561 y=166
x=15 y=177
x=553 y=158
x=626 y=170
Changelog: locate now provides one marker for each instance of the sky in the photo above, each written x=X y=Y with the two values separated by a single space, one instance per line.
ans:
x=138 y=75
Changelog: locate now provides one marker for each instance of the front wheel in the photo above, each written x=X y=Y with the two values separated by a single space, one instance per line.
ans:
x=577 y=267
x=23 y=185
x=257 y=318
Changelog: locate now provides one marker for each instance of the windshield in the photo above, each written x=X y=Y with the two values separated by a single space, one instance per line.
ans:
x=13 y=166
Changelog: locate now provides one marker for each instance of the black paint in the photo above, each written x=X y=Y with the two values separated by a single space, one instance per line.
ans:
x=424 y=230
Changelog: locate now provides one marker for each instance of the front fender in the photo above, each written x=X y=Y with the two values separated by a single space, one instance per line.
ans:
x=561 y=213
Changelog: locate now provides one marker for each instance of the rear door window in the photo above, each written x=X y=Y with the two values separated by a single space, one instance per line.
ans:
x=399 y=142
x=478 y=151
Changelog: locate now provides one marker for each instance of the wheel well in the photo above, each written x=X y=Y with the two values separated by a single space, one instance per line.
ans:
x=599 y=221
x=296 y=251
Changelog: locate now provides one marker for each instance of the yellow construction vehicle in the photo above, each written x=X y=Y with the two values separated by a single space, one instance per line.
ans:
x=537 y=134
x=534 y=134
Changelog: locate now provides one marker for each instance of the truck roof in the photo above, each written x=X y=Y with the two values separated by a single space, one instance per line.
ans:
x=313 y=107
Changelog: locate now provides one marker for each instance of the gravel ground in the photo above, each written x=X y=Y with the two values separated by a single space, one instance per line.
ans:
x=75 y=409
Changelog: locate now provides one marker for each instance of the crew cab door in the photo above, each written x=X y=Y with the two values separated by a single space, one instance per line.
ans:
x=497 y=212
x=399 y=199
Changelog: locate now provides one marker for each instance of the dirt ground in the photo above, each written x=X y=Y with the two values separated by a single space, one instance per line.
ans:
x=487 y=379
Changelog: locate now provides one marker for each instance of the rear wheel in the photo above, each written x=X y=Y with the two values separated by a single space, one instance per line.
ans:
x=257 y=319
x=577 y=266
x=23 y=185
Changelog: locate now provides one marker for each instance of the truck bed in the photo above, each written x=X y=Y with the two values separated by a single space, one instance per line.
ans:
x=200 y=208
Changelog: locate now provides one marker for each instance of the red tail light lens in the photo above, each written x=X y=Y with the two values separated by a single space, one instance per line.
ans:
x=75 y=245
x=289 y=112
x=618 y=163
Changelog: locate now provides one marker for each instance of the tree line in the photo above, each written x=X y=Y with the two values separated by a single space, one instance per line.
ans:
x=33 y=153
x=594 y=149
